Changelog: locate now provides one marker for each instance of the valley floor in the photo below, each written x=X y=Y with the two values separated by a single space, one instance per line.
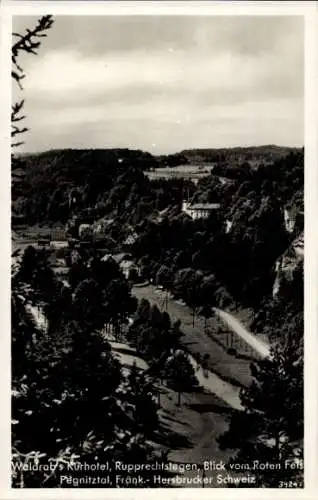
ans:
x=230 y=368
x=188 y=432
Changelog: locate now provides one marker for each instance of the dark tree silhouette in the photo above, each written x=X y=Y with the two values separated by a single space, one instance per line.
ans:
x=180 y=372
x=271 y=424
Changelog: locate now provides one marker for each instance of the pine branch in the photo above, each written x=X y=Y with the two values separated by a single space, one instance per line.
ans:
x=16 y=130
x=16 y=144
x=29 y=43
x=17 y=117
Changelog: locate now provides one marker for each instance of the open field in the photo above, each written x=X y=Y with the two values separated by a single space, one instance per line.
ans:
x=180 y=172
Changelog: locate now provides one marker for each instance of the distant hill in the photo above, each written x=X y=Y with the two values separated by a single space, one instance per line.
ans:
x=266 y=154
x=77 y=167
x=42 y=181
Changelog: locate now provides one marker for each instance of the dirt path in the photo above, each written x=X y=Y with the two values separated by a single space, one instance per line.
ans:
x=212 y=383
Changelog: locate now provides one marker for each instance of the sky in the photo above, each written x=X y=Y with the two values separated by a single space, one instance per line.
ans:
x=164 y=83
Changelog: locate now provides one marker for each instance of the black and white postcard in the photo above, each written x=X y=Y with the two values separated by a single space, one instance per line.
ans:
x=158 y=209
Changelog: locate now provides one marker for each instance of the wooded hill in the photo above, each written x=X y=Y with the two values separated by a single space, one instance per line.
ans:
x=45 y=180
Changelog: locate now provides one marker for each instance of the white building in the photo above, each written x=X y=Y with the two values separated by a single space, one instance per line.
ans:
x=199 y=210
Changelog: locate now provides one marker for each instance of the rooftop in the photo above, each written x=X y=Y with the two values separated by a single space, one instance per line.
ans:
x=204 y=206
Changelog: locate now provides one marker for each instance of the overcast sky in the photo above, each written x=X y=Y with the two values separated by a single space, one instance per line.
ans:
x=165 y=83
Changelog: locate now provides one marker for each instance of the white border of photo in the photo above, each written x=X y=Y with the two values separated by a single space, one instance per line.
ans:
x=308 y=9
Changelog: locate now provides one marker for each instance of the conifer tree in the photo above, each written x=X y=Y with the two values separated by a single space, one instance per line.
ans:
x=179 y=372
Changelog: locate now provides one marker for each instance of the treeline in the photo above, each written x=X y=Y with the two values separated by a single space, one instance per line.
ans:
x=241 y=261
x=264 y=154
x=158 y=341
x=43 y=192
x=71 y=401
x=112 y=181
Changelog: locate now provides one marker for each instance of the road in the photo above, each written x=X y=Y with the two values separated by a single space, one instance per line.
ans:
x=236 y=326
